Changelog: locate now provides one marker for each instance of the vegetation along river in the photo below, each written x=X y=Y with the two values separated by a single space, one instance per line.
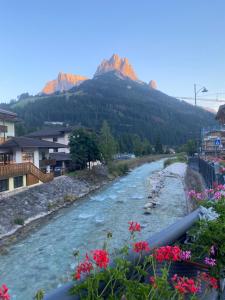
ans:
x=45 y=258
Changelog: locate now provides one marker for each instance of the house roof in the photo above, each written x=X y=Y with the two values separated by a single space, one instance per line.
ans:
x=25 y=142
x=7 y=115
x=60 y=156
x=50 y=132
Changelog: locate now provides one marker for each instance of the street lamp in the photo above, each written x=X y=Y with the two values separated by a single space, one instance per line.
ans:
x=203 y=89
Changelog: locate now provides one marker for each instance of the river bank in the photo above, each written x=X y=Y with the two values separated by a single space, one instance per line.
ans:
x=21 y=213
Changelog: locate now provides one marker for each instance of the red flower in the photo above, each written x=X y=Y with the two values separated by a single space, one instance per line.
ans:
x=168 y=253
x=210 y=280
x=134 y=226
x=84 y=267
x=4 y=293
x=101 y=258
x=185 y=285
x=141 y=246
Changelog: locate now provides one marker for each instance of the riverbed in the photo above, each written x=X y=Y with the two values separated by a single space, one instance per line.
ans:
x=45 y=258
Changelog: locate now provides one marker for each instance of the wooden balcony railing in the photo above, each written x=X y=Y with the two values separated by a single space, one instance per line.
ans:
x=19 y=169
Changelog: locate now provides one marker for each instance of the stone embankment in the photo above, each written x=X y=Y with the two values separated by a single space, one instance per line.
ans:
x=157 y=181
x=41 y=200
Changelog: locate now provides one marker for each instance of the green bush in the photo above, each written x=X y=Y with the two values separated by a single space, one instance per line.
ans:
x=19 y=221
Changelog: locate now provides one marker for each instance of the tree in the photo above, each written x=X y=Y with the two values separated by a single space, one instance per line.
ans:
x=158 y=146
x=137 y=145
x=83 y=147
x=107 y=143
x=146 y=147
x=191 y=147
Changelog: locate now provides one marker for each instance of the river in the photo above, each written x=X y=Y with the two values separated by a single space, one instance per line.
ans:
x=45 y=258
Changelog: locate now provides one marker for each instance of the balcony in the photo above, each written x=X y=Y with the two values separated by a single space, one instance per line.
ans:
x=13 y=170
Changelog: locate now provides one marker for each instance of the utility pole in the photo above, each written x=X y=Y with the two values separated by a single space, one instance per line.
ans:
x=195 y=92
x=202 y=89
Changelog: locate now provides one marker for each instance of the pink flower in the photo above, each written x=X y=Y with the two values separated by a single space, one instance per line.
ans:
x=212 y=250
x=185 y=255
x=217 y=195
x=210 y=261
x=4 y=293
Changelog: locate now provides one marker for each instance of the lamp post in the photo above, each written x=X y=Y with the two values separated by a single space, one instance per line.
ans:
x=202 y=89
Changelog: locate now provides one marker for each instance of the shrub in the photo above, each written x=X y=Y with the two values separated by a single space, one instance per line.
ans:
x=19 y=221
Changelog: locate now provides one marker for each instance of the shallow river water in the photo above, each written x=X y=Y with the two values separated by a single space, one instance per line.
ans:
x=45 y=260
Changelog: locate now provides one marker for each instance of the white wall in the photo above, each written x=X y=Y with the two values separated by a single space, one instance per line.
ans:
x=11 y=129
x=61 y=140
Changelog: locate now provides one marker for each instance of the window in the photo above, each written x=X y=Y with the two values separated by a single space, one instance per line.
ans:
x=4 y=185
x=55 y=150
x=55 y=139
x=18 y=181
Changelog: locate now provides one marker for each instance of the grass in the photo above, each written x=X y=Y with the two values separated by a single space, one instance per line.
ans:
x=181 y=157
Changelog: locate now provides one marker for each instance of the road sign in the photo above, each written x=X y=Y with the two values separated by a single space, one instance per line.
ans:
x=217 y=142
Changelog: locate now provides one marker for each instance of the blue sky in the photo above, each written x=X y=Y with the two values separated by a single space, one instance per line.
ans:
x=175 y=42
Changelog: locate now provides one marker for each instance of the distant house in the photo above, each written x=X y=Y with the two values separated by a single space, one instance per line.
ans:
x=209 y=137
x=61 y=156
x=7 y=125
x=54 y=134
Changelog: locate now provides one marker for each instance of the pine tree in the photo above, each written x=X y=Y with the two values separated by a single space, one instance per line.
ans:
x=107 y=143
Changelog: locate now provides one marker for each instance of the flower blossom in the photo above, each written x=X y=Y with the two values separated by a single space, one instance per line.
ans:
x=84 y=267
x=185 y=255
x=134 y=226
x=211 y=281
x=101 y=258
x=213 y=250
x=217 y=195
x=4 y=293
x=141 y=246
x=185 y=285
x=167 y=253
x=210 y=261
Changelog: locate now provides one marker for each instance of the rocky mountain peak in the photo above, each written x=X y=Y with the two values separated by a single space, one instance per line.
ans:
x=153 y=84
x=115 y=63
x=64 y=82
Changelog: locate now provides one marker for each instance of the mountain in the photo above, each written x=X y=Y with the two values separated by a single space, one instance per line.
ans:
x=64 y=82
x=130 y=107
x=153 y=84
x=115 y=63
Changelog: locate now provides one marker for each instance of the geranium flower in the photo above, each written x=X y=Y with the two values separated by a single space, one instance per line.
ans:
x=185 y=285
x=211 y=281
x=167 y=253
x=101 y=258
x=4 y=295
x=185 y=255
x=84 y=267
x=210 y=261
x=141 y=246
x=134 y=226
x=217 y=195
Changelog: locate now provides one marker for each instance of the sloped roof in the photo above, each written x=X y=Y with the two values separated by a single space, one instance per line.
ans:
x=50 y=132
x=25 y=142
x=7 y=115
x=60 y=156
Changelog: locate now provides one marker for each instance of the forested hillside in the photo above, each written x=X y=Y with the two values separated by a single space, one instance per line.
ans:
x=129 y=107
